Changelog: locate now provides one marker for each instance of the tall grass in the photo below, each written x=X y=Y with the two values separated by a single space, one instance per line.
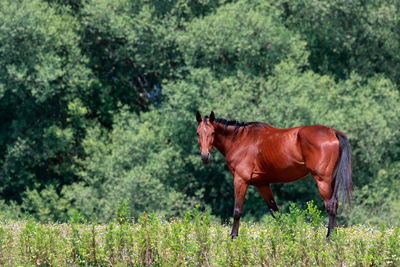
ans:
x=295 y=238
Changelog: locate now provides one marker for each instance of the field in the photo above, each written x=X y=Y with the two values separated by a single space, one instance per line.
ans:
x=295 y=238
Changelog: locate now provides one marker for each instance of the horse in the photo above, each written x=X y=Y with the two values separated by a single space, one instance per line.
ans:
x=258 y=154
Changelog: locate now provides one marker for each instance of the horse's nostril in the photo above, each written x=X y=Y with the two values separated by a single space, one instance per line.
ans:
x=205 y=157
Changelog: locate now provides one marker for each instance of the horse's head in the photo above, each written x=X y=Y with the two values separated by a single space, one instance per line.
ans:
x=205 y=135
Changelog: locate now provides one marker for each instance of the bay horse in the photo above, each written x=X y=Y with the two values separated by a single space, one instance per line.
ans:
x=258 y=154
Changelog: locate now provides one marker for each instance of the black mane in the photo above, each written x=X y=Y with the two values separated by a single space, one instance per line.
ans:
x=239 y=125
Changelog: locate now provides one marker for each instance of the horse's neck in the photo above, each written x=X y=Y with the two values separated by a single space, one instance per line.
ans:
x=224 y=138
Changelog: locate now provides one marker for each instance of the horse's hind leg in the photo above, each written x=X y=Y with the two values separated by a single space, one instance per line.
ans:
x=266 y=193
x=330 y=200
x=321 y=152
x=331 y=207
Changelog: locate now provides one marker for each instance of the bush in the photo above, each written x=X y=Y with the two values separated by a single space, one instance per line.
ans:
x=295 y=238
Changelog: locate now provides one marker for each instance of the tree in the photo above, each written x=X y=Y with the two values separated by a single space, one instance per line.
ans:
x=240 y=36
x=132 y=49
x=44 y=71
x=348 y=36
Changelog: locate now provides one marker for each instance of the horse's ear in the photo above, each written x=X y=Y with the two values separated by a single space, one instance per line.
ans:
x=198 y=117
x=212 y=117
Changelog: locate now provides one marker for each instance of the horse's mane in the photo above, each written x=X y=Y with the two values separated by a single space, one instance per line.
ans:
x=238 y=124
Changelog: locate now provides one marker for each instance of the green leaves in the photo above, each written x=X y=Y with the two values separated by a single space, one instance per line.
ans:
x=194 y=241
x=43 y=70
x=347 y=36
x=240 y=36
x=378 y=201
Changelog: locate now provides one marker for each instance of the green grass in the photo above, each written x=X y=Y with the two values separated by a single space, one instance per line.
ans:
x=295 y=238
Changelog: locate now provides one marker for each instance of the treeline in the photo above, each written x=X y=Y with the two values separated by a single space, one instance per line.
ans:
x=98 y=100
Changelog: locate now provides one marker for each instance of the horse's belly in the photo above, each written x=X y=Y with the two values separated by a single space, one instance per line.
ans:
x=260 y=177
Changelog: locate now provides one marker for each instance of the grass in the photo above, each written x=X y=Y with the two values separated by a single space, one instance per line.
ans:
x=296 y=238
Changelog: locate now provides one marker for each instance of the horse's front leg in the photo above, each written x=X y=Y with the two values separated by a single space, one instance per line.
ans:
x=240 y=193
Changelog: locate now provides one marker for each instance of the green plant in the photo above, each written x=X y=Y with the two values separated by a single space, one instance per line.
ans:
x=122 y=211
x=291 y=239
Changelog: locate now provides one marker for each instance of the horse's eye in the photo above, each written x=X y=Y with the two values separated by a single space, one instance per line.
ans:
x=213 y=134
x=197 y=134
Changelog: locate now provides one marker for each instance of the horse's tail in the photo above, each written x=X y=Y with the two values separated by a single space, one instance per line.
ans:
x=342 y=172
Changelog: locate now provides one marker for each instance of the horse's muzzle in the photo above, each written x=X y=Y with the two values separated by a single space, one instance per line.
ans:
x=205 y=157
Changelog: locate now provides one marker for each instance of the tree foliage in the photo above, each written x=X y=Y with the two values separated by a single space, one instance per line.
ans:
x=260 y=40
x=348 y=36
x=43 y=72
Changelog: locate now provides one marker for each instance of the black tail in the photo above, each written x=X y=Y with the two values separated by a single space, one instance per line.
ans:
x=342 y=172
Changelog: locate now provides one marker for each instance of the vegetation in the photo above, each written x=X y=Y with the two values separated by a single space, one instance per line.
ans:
x=98 y=102
x=295 y=238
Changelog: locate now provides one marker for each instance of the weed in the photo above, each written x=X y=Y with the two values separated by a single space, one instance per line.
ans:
x=296 y=238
